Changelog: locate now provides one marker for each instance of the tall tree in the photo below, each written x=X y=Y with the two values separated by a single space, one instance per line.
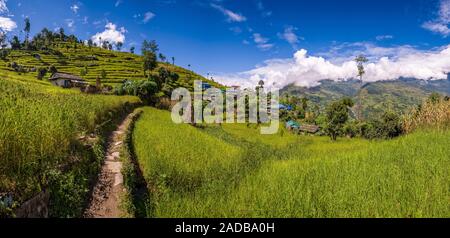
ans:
x=132 y=49
x=90 y=43
x=62 y=35
x=150 y=62
x=119 y=46
x=27 y=29
x=15 y=43
x=360 y=60
x=261 y=83
x=3 y=43
x=151 y=46
x=173 y=60
x=162 y=57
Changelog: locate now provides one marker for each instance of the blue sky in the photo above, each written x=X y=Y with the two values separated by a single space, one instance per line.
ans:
x=225 y=37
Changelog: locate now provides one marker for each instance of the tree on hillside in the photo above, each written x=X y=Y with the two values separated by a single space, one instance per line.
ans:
x=360 y=60
x=162 y=57
x=151 y=46
x=27 y=29
x=261 y=84
x=337 y=116
x=119 y=46
x=90 y=43
x=132 y=49
x=105 y=45
x=62 y=35
x=3 y=40
x=150 y=61
x=15 y=43
x=53 y=69
x=41 y=73
x=164 y=79
x=173 y=60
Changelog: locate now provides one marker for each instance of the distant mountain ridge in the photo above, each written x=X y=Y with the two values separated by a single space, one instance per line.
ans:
x=398 y=95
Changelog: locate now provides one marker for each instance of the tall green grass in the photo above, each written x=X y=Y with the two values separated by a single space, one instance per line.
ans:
x=283 y=175
x=39 y=128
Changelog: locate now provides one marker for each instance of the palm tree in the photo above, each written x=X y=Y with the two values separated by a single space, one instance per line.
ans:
x=360 y=60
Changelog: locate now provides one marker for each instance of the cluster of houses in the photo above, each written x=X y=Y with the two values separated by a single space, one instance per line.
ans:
x=296 y=127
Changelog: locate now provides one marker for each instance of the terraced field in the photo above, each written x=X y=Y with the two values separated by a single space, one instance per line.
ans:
x=233 y=171
x=41 y=127
x=74 y=58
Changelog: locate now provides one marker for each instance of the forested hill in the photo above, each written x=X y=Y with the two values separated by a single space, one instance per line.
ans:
x=398 y=94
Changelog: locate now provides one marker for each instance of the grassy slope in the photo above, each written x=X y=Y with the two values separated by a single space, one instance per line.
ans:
x=118 y=65
x=240 y=173
x=39 y=125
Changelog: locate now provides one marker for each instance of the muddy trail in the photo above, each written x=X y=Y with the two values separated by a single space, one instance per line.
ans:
x=107 y=192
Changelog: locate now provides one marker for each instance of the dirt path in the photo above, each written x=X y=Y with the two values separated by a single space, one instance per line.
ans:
x=105 y=202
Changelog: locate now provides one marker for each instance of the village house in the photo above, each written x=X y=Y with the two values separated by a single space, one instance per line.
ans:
x=66 y=80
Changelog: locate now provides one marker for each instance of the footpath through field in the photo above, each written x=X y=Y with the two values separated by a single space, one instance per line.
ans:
x=105 y=201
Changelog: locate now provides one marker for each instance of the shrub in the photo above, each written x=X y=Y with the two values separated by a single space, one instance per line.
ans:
x=41 y=73
x=337 y=116
x=388 y=126
x=52 y=69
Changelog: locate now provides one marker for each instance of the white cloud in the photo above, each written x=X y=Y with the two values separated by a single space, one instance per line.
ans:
x=148 y=16
x=308 y=71
x=261 y=42
x=6 y=24
x=70 y=23
x=232 y=16
x=118 y=2
x=3 y=7
x=384 y=37
x=437 y=27
x=441 y=24
x=75 y=8
x=290 y=36
x=85 y=20
x=262 y=9
x=112 y=34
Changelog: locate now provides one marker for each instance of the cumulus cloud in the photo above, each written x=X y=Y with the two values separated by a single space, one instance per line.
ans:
x=231 y=16
x=441 y=24
x=261 y=42
x=6 y=24
x=148 y=16
x=112 y=34
x=308 y=71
